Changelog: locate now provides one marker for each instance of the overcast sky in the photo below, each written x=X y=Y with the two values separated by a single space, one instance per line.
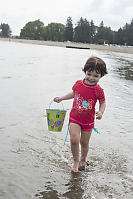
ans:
x=114 y=13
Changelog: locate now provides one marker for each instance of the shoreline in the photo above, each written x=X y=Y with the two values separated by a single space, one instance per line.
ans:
x=120 y=49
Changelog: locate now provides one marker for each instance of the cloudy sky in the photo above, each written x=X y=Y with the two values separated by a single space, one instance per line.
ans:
x=114 y=13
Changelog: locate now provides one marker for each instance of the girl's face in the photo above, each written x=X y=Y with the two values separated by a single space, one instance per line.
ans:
x=92 y=77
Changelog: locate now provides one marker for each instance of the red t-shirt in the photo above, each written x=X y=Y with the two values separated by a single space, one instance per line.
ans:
x=85 y=98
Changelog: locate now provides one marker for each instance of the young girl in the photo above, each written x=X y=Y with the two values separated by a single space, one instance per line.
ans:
x=85 y=92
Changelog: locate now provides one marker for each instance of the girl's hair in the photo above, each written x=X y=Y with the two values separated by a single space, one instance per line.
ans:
x=97 y=64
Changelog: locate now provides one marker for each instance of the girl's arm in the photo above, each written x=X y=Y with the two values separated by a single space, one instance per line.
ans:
x=99 y=113
x=65 y=97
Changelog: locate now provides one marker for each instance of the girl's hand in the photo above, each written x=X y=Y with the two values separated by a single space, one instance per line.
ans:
x=57 y=99
x=99 y=115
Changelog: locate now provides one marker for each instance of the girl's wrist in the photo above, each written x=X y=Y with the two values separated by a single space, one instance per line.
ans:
x=101 y=112
x=59 y=99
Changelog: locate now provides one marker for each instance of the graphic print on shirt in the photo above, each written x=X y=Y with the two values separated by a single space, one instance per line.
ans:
x=83 y=104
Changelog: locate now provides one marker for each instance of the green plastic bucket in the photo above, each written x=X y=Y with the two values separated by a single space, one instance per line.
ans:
x=55 y=119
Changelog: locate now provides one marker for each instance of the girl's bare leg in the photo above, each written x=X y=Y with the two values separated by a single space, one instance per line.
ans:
x=75 y=130
x=84 y=141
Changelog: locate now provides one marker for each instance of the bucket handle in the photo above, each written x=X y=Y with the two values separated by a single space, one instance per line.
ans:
x=53 y=101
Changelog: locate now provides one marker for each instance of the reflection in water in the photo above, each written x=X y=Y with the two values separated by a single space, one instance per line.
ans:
x=75 y=189
x=126 y=69
x=49 y=193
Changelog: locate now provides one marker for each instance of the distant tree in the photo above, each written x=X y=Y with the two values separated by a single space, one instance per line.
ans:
x=130 y=40
x=82 y=31
x=68 y=34
x=33 y=30
x=5 y=30
x=124 y=36
x=99 y=37
x=128 y=33
x=104 y=35
x=119 y=36
x=55 y=32
x=92 y=31
x=101 y=24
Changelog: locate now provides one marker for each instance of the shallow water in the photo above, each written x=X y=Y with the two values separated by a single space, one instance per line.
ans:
x=34 y=163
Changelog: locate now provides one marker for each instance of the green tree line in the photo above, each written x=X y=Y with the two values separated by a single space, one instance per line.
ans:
x=84 y=31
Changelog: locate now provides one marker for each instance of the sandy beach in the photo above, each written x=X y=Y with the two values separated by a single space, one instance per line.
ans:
x=121 y=49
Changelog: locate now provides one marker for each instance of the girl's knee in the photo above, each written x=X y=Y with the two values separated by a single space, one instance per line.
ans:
x=74 y=139
x=84 y=143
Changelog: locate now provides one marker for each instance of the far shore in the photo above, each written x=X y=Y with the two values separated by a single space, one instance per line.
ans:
x=113 y=48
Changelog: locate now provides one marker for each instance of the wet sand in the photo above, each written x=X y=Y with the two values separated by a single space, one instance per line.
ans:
x=121 y=49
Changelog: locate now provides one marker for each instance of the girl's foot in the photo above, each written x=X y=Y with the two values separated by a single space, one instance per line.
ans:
x=75 y=167
x=82 y=166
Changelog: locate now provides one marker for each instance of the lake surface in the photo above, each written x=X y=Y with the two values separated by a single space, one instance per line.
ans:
x=34 y=163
